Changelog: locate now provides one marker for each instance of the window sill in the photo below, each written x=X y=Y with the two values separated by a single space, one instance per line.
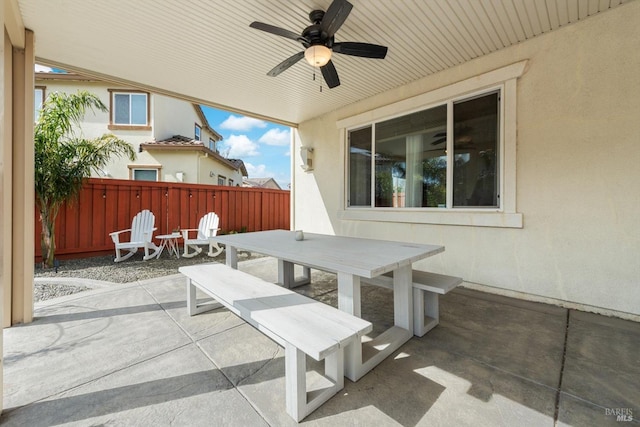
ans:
x=463 y=217
x=128 y=127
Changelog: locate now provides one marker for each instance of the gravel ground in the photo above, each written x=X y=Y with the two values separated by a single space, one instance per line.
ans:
x=102 y=271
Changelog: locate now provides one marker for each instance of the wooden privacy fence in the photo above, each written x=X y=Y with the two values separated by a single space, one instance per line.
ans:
x=107 y=205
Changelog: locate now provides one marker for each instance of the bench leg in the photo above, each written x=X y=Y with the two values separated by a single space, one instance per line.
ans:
x=426 y=311
x=297 y=402
x=192 y=302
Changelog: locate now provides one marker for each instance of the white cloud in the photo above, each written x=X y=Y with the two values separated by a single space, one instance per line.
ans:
x=240 y=146
x=279 y=137
x=241 y=123
x=42 y=69
x=257 y=171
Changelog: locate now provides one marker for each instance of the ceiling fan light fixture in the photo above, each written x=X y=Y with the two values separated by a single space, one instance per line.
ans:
x=317 y=55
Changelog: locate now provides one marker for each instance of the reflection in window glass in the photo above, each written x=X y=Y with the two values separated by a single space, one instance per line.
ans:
x=410 y=160
x=145 y=174
x=138 y=109
x=475 y=143
x=130 y=109
x=360 y=167
x=39 y=99
x=121 y=105
x=414 y=155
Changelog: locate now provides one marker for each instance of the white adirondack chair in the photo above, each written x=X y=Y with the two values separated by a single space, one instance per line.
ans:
x=140 y=236
x=207 y=228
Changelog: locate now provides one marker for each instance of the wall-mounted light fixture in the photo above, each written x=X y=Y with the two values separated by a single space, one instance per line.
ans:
x=211 y=174
x=306 y=154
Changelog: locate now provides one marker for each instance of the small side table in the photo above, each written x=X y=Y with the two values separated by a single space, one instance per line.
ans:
x=169 y=241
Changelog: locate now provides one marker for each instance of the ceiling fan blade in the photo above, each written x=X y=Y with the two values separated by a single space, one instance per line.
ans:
x=365 y=50
x=276 y=30
x=335 y=16
x=286 y=64
x=330 y=75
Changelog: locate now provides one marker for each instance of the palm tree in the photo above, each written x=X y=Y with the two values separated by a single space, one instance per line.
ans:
x=64 y=158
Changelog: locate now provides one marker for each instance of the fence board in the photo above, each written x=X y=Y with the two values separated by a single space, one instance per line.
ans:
x=107 y=205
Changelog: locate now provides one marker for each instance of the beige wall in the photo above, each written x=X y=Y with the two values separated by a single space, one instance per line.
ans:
x=578 y=168
x=96 y=124
x=195 y=167
x=169 y=117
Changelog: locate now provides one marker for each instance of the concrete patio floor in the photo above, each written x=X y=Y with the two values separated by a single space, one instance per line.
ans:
x=130 y=355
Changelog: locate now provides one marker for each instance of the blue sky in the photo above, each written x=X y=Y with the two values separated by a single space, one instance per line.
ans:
x=264 y=147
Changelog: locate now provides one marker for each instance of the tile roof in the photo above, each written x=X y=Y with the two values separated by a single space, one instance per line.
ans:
x=179 y=142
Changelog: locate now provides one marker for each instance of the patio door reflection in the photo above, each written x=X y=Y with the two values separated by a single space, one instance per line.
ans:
x=410 y=165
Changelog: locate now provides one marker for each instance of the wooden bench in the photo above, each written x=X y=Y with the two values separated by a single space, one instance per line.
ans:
x=426 y=289
x=299 y=324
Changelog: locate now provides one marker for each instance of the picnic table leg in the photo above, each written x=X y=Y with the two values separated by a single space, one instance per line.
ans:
x=232 y=256
x=403 y=298
x=191 y=298
x=287 y=274
x=349 y=302
x=349 y=293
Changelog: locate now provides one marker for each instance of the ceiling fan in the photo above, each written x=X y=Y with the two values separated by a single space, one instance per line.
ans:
x=318 y=41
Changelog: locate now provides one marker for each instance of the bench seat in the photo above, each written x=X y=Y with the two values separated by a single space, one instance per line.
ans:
x=299 y=324
x=426 y=289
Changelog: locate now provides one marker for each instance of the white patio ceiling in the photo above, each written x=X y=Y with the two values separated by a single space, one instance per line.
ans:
x=204 y=50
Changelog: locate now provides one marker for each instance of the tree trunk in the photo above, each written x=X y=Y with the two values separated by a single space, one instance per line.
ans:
x=47 y=239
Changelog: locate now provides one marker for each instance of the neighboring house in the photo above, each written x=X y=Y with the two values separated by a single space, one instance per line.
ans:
x=261 y=183
x=172 y=138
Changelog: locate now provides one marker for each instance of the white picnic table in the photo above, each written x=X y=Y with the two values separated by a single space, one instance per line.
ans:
x=350 y=258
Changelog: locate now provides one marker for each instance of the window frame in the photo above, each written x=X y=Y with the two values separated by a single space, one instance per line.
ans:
x=197 y=132
x=505 y=215
x=115 y=126
x=223 y=179
x=134 y=168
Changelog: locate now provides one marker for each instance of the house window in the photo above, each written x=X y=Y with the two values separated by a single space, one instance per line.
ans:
x=129 y=110
x=212 y=145
x=38 y=101
x=230 y=183
x=221 y=180
x=144 y=174
x=446 y=156
x=406 y=163
x=197 y=132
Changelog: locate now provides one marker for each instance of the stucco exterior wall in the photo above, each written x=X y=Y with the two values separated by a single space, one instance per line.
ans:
x=578 y=168
x=95 y=125
x=168 y=117
x=174 y=117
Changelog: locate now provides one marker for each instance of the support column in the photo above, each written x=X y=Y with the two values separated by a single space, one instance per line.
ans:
x=6 y=174
x=23 y=182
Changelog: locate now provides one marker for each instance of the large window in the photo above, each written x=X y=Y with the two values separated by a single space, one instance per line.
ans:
x=129 y=109
x=404 y=162
x=447 y=156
